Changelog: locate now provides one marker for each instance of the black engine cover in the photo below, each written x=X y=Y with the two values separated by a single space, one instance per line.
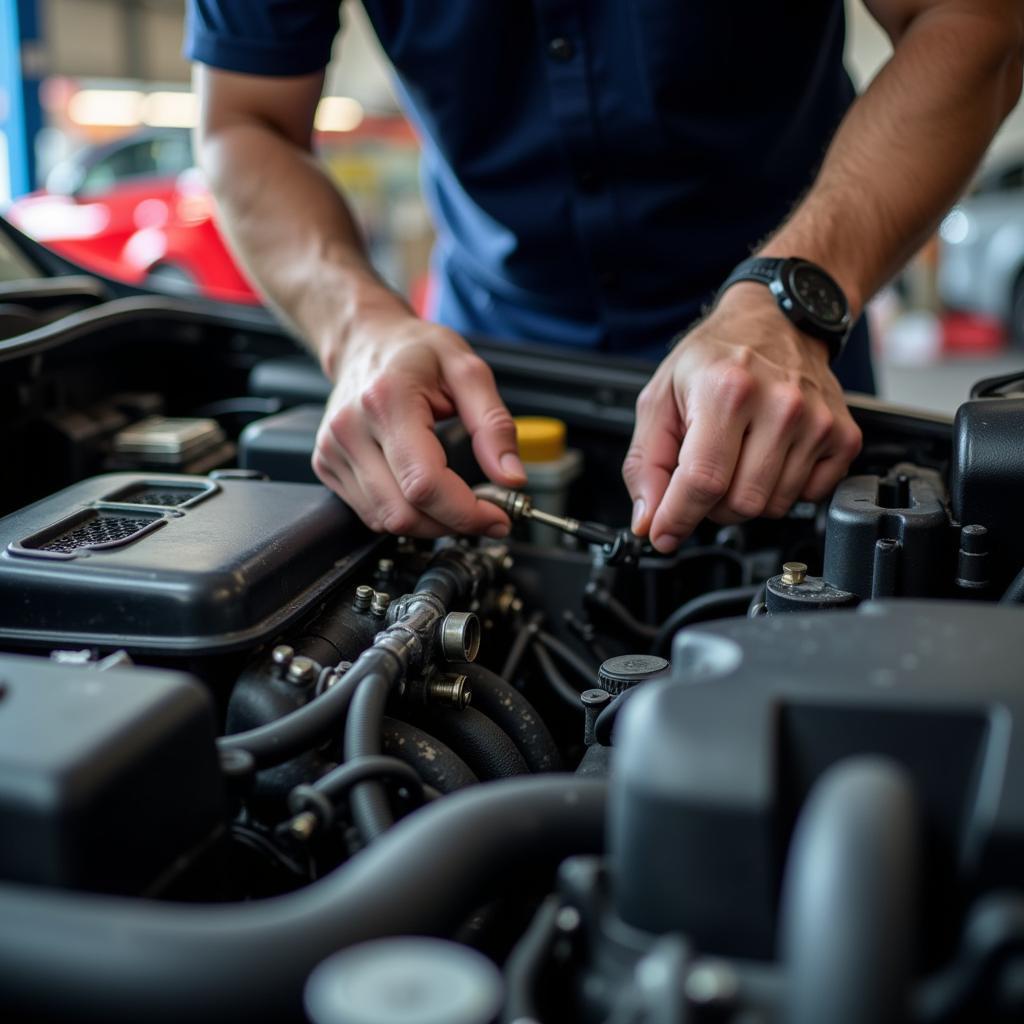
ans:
x=173 y=565
x=107 y=778
x=711 y=767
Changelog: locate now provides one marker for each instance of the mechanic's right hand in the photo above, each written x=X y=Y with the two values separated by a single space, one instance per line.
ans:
x=376 y=446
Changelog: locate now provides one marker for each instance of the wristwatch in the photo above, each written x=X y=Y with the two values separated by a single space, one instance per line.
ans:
x=808 y=295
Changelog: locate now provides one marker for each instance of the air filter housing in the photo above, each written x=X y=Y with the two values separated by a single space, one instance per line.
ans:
x=171 y=564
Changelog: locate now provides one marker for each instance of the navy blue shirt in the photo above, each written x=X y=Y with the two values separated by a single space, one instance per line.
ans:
x=594 y=167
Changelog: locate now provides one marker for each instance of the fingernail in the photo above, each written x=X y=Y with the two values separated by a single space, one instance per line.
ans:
x=639 y=508
x=666 y=543
x=497 y=531
x=512 y=465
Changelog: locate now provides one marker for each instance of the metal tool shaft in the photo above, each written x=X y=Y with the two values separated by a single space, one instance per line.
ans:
x=519 y=506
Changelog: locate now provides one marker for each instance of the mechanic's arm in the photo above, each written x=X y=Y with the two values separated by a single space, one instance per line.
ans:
x=744 y=417
x=394 y=374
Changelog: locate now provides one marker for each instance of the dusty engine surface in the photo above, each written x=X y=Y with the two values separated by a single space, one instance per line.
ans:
x=257 y=763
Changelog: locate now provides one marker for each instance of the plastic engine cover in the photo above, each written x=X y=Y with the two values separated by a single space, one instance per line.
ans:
x=987 y=480
x=107 y=778
x=171 y=564
x=710 y=768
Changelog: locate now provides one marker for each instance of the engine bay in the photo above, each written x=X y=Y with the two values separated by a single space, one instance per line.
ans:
x=258 y=762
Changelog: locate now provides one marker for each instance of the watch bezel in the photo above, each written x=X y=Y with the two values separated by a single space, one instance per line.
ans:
x=783 y=288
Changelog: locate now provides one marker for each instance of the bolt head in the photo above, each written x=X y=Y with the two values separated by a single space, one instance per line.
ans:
x=303 y=826
x=302 y=670
x=282 y=655
x=794 y=573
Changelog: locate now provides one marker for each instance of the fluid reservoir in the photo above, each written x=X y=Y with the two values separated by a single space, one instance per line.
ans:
x=551 y=467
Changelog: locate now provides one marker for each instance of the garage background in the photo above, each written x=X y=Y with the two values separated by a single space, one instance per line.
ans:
x=78 y=77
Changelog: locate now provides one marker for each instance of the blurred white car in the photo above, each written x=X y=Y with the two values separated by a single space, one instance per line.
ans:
x=981 y=265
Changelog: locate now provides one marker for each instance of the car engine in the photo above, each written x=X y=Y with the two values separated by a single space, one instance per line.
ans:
x=258 y=763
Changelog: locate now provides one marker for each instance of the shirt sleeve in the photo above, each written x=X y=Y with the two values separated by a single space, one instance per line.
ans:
x=262 y=37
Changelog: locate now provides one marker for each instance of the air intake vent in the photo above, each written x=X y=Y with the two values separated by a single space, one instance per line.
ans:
x=161 y=493
x=98 y=532
x=154 y=497
x=92 y=529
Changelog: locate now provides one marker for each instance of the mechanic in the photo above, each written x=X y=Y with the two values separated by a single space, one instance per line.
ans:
x=595 y=171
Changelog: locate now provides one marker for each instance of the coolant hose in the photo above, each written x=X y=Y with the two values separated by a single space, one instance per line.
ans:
x=84 y=956
x=286 y=737
x=338 y=783
x=482 y=744
x=435 y=762
x=371 y=810
x=504 y=705
x=452 y=571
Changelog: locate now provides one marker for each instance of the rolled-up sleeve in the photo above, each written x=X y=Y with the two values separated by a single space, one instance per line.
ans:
x=262 y=37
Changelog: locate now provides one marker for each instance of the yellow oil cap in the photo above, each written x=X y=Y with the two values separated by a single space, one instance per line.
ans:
x=541 y=438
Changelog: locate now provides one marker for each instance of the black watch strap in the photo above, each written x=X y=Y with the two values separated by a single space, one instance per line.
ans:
x=757 y=268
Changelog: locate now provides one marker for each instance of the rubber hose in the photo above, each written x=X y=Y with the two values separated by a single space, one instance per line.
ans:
x=622 y=615
x=569 y=694
x=282 y=739
x=519 y=644
x=338 y=782
x=488 y=751
x=435 y=762
x=713 y=605
x=86 y=956
x=586 y=671
x=848 y=904
x=515 y=715
x=444 y=579
x=371 y=809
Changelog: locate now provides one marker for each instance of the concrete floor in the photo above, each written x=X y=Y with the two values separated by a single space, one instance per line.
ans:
x=943 y=386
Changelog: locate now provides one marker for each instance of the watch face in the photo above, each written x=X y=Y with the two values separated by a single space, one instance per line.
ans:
x=820 y=296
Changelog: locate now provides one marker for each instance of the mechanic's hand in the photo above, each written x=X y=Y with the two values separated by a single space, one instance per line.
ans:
x=742 y=419
x=376 y=446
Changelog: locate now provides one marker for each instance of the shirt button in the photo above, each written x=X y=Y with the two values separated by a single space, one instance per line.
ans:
x=561 y=49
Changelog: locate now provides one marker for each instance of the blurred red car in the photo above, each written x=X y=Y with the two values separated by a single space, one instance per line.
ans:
x=136 y=210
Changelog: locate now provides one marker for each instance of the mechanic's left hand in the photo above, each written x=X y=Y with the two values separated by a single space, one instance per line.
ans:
x=742 y=419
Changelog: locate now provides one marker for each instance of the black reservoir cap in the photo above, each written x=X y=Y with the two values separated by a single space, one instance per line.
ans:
x=619 y=674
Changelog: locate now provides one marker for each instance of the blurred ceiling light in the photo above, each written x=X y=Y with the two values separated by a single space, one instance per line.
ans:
x=338 y=114
x=170 y=110
x=107 y=108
